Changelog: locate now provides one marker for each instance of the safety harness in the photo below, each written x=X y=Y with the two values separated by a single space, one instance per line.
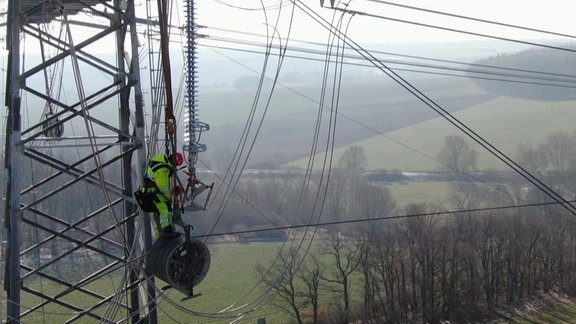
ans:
x=147 y=195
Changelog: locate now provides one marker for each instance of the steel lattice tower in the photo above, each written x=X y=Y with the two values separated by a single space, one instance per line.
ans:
x=75 y=240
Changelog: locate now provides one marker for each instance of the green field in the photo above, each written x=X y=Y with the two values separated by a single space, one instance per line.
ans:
x=232 y=281
x=504 y=122
x=428 y=192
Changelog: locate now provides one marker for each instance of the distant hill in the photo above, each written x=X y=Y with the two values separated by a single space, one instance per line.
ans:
x=365 y=110
x=375 y=112
x=369 y=104
x=222 y=67
x=540 y=73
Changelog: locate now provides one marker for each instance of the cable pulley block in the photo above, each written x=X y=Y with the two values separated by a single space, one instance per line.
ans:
x=181 y=263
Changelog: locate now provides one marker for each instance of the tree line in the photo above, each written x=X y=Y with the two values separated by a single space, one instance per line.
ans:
x=484 y=247
x=430 y=266
x=285 y=200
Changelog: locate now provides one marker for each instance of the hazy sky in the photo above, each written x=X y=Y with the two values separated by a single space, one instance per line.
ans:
x=247 y=15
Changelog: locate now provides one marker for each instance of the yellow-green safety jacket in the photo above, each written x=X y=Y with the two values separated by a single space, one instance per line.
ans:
x=159 y=171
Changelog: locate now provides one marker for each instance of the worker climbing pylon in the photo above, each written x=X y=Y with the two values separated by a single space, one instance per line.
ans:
x=155 y=196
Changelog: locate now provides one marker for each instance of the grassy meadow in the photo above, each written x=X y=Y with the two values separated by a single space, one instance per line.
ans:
x=504 y=122
x=427 y=192
x=232 y=281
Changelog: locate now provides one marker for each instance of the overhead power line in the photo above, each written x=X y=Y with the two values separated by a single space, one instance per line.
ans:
x=491 y=22
x=441 y=111
x=482 y=71
x=383 y=218
x=456 y=30
x=238 y=40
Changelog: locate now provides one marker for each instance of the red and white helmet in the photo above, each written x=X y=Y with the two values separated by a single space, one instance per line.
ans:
x=179 y=158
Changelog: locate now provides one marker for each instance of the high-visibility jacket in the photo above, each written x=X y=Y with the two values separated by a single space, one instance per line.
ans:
x=159 y=172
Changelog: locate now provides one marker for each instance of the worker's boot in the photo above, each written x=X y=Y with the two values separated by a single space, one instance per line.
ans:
x=168 y=233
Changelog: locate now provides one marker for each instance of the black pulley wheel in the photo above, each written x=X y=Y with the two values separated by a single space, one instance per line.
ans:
x=169 y=262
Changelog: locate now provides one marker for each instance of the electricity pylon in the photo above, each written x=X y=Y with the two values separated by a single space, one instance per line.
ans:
x=75 y=149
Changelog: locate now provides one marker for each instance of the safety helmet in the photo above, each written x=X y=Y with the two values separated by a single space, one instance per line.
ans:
x=169 y=160
x=179 y=158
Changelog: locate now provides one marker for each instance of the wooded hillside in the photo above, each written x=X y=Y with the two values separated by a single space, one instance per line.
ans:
x=530 y=69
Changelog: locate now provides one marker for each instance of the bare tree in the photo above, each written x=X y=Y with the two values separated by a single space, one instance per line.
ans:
x=531 y=158
x=423 y=237
x=280 y=277
x=466 y=196
x=354 y=158
x=346 y=254
x=384 y=260
x=350 y=196
x=457 y=155
x=310 y=275
x=560 y=150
